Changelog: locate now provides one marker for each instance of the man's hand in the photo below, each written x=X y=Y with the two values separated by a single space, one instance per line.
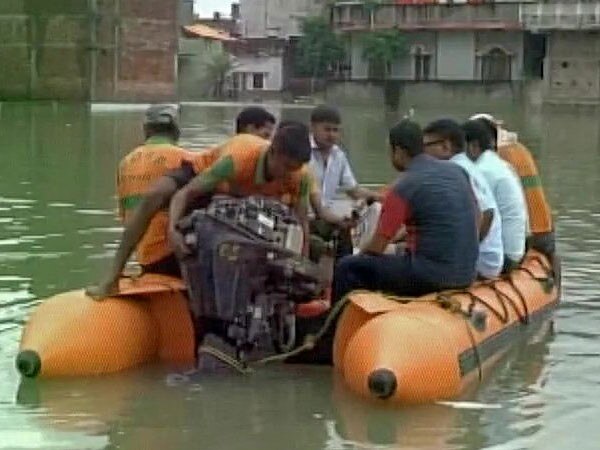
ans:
x=178 y=244
x=346 y=223
x=103 y=290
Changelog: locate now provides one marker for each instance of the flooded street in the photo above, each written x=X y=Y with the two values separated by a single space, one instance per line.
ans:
x=58 y=229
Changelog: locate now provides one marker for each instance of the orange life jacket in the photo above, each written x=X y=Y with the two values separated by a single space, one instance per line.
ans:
x=137 y=172
x=519 y=157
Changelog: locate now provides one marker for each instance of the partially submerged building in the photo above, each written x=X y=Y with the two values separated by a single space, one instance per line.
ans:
x=109 y=50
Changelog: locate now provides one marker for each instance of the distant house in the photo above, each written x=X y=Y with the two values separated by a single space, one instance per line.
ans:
x=571 y=36
x=205 y=65
x=268 y=29
x=455 y=40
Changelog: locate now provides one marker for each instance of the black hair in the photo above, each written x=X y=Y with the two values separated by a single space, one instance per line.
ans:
x=450 y=130
x=325 y=114
x=292 y=139
x=490 y=126
x=286 y=123
x=170 y=130
x=408 y=136
x=253 y=115
x=476 y=131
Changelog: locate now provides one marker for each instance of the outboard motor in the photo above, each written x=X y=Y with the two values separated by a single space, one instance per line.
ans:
x=246 y=274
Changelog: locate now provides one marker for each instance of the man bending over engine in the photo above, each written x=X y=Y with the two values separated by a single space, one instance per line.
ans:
x=272 y=170
x=157 y=197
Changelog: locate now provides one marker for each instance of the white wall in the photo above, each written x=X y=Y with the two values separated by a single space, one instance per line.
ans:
x=456 y=55
x=271 y=66
x=275 y=18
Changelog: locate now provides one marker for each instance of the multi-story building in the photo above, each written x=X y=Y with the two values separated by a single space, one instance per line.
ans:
x=572 y=34
x=268 y=29
x=446 y=40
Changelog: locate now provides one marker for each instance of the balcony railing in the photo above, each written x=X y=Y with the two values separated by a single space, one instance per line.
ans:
x=561 y=16
x=347 y=16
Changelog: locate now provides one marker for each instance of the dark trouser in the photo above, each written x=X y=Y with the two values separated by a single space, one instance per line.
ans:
x=327 y=232
x=394 y=274
x=166 y=266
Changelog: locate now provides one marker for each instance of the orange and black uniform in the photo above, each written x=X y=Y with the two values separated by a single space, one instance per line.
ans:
x=540 y=215
x=240 y=170
x=137 y=172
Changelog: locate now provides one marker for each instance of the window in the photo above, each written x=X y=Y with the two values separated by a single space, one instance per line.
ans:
x=258 y=81
x=496 y=65
x=422 y=64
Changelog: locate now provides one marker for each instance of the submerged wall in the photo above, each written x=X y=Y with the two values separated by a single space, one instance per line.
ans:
x=102 y=50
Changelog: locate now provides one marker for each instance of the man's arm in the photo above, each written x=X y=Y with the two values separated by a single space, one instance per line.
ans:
x=204 y=184
x=156 y=199
x=349 y=184
x=362 y=193
x=326 y=213
x=306 y=194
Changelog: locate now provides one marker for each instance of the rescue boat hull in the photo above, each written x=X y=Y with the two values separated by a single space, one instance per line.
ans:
x=434 y=347
x=417 y=351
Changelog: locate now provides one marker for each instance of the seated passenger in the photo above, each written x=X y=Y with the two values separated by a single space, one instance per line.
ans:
x=507 y=190
x=256 y=121
x=434 y=200
x=519 y=157
x=332 y=172
x=444 y=139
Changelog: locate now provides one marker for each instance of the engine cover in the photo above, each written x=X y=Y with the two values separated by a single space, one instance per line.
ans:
x=246 y=269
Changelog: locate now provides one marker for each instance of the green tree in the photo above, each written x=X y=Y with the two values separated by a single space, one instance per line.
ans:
x=319 y=48
x=219 y=64
x=381 y=49
x=370 y=7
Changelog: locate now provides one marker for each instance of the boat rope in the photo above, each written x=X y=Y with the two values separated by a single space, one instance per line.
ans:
x=446 y=300
x=235 y=364
x=475 y=349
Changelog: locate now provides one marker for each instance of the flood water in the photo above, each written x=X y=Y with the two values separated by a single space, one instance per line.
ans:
x=58 y=230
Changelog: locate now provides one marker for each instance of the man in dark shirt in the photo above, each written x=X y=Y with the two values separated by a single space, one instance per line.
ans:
x=433 y=199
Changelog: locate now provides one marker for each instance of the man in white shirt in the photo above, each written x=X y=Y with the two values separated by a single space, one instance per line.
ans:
x=444 y=139
x=332 y=172
x=507 y=190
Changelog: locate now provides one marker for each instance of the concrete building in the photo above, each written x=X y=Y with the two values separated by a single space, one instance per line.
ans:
x=269 y=28
x=259 y=66
x=110 y=50
x=276 y=18
x=572 y=62
x=447 y=41
x=204 y=62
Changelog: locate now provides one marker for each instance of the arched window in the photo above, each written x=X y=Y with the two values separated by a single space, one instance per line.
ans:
x=421 y=63
x=496 y=65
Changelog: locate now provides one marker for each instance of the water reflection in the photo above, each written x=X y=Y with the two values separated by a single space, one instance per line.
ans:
x=58 y=230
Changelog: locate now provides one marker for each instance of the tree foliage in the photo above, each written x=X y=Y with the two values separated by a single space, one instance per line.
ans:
x=319 y=48
x=381 y=48
x=218 y=66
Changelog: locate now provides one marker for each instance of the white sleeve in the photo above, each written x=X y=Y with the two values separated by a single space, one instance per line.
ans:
x=347 y=179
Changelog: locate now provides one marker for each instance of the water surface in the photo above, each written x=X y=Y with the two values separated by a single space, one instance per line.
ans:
x=58 y=229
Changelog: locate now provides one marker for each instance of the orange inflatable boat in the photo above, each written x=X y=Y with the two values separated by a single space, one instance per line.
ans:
x=435 y=347
x=393 y=350
x=70 y=334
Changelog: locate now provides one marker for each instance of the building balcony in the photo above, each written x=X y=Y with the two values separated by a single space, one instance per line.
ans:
x=358 y=16
x=561 y=16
